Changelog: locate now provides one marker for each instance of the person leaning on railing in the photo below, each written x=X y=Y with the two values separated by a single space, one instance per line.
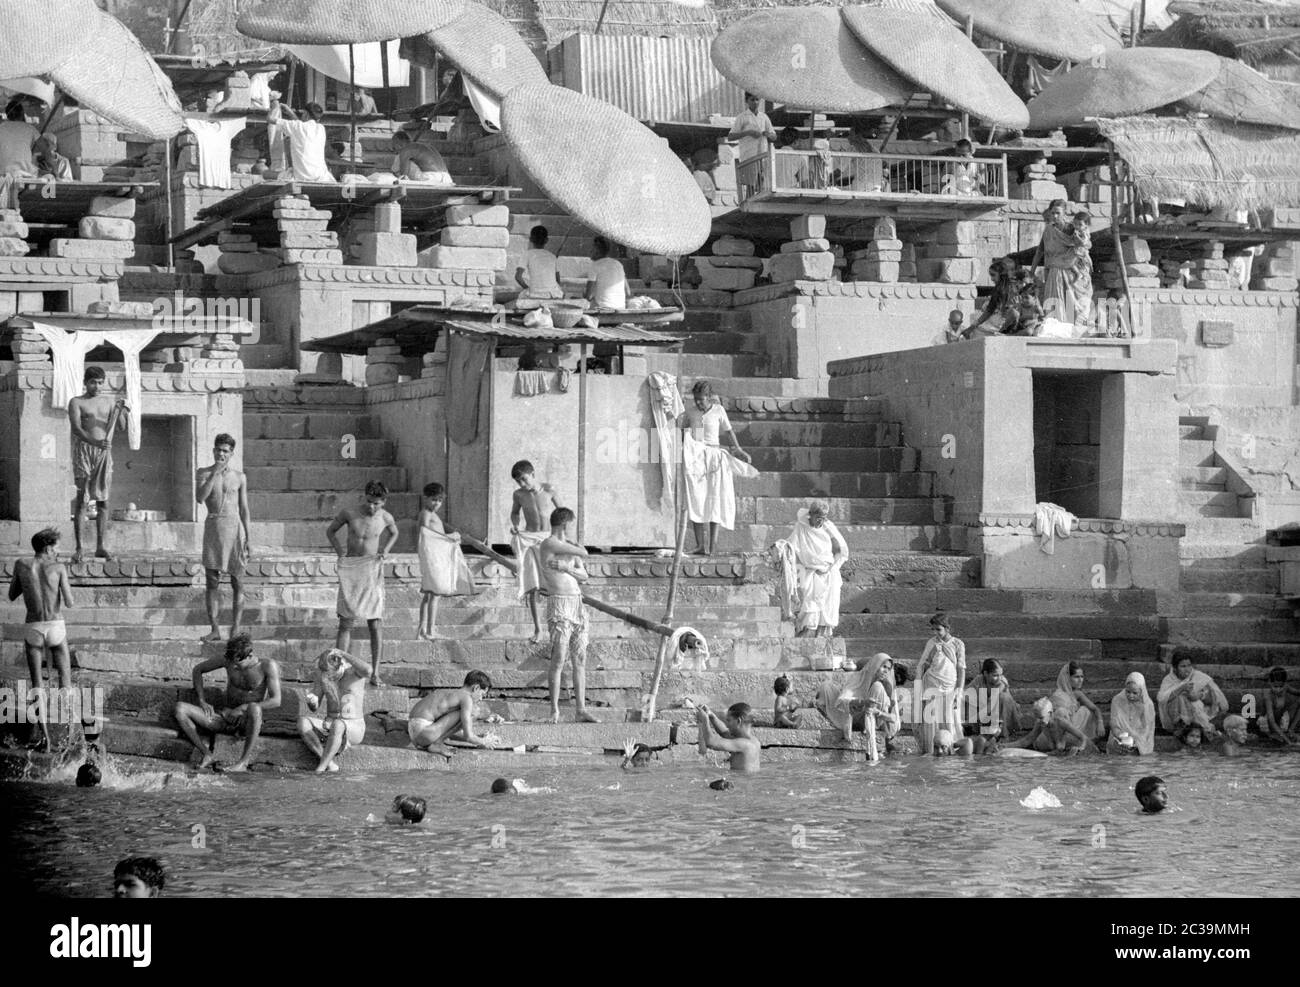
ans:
x=756 y=134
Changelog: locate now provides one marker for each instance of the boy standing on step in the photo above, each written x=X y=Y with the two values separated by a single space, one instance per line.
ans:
x=563 y=573
x=533 y=502
x=93 y=416
x=42 y=582
x=223 y=490
x=371 y=534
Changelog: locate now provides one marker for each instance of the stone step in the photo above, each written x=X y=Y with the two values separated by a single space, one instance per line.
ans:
x=1232 y=602
x=1187 y=432
x=1203 y=477
x=1245 y=655
x=959 y=602
x=338 y=478
x=1241 y=580
x=312 y=425
x=278 y=398
x=1218 y=554
x=343 y=451
x=1196 y=452
x=874 y=459
x=871 y=571
x=708 y=365
x=886 y=510
x=819 y=434
x=321 y=505
x=1224 y=630
x=837 y=484
x=861 y=538
x=1209 y=503
x=980 y=626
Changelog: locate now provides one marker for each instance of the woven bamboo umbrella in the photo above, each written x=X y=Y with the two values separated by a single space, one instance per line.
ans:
x=112 y=75
x=806 y=57
x=346 y=22
x=1051 y=28
x=606 y=169
x=484 y=45
x=38 y=36
x=1127 y=82
x=923 y=46
x=1242 y=95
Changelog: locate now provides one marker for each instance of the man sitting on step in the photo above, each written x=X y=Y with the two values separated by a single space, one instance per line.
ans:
x=252 y=689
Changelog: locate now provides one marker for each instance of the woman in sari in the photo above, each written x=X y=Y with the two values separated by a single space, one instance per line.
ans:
x=819 y=553
x=991 y=713
x=869 y=691
x=1072 y=707
x=1067 y=288
x=1001 y=303
x=1132 y=718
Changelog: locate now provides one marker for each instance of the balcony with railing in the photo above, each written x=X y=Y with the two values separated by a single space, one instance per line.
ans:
x=852 y=183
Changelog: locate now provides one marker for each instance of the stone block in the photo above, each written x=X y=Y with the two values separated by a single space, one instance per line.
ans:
x=1276 y=284
x=731 y=246
x=480 y=215
x=227 y=236
x=1040 y=190
x=13 y=228
x=377 y=353
x=310 y=241
x=870 y=270
x=1139 y=282
x=812 y=227
x=110 y=250
x=727 y=278
x=130 y=310
x=1136 y=251
x=296 y=255
x=1279 y=267
x=388 y=217
x=466 y=258
x=958 y=271
x=381 y=373
x=242 y=263
x=1282 y=251
x=753 y=263
x=387 y=250
x=303 y=215
x=302 y=227
x=815 y=246
x=475 y=236
x=112 y=207
x=1210 y=264
x=1143 y=270
x=802 y=267
x=106 y=228
x=960 y=231
x=885 y=229
x=945 y=250
x=1216 y=333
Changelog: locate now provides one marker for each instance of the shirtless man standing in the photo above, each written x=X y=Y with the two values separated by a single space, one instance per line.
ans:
x=223 y=490
x=252 y=688
x=42 y=582
x=371 y=533
x=443 y=716
x=532 y=503
x=563 y=574
x=341 y=682
x=92 y=454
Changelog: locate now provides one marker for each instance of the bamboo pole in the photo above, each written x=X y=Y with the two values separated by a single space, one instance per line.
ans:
x=1114 y=229
x=591 y=601
x=648 y=710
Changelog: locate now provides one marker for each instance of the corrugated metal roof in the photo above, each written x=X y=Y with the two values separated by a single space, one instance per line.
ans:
x=670 y=79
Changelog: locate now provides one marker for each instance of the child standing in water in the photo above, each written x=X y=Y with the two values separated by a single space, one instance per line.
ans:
x=736 y=736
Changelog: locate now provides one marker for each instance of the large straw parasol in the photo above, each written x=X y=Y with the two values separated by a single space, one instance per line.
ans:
x=1125 y=82
x=806 y=57
x=606 y=169
x=1052 y=28
x=916 y=40
x=344 y=22
x=36 y=36
x=1243 y=95
x=112 y=75
x=484 y=45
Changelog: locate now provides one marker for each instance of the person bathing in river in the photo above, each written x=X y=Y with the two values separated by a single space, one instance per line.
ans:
x=991 y=712
x=439 y=717
x=1071 y=703
x=252 y=689
x=341 y=682
x=1280 y=721
x=735 y=736
x=940 y=675
x=1051 y=734
x=42 y=582
x=1188 y=697
x=1132 y=718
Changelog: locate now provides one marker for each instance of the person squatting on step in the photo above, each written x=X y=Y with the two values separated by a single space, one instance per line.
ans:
x=42 y=582
x=371 y=532
x=560 y=562
x=93 y=417
x=223 y=490
x=252 y=689
x=341 y=682
x=439 y=717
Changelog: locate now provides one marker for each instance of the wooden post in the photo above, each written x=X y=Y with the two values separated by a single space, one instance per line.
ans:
x=970 y=36
x=582 y=443
x=167 y=200
x=1114 y=229
x=648 y=709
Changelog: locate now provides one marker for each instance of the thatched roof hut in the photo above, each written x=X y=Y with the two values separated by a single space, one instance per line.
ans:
x=1212 y=164
x=1262 y=33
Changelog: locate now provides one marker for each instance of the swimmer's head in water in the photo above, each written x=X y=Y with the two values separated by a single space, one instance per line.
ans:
x=636 y=755
x=138 y=877
x=1151 y=792
x=502 y=787
x=1235 y=727
x=1192 y=736
x=1043 y=710
x=943 y=742
x=88 y=775
x=721 y=785
x=410 y=807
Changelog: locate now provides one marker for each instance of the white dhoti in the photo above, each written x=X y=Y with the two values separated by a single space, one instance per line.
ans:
x=443 y=569
x=709 y=471
x=530 y=571
x=819 y=554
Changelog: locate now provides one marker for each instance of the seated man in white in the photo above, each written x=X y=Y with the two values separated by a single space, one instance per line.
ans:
x=608 y=287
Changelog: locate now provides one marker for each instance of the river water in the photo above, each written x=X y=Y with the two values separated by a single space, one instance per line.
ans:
x=907 y=826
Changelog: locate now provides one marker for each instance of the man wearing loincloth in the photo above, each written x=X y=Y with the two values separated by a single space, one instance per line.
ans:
x=341 y=682
x=442 y=716
x=223 y=490
x=252 y=689
x=563 y=574
x=42 y=582
x=92 y=455
x=371 y=534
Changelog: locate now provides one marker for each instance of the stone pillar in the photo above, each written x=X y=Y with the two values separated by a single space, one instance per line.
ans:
x=1138 y=469
x=880 y=260
x=475 y=238
x=1038 y=181
x=304 y=233
x=807 y=256
x=13 y=234
x=732 y=266
x=1209 y=270
x=951 y=257
x=1275 y=269
x=240 y=254
x=383 y=362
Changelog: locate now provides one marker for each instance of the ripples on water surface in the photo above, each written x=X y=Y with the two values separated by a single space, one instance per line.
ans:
x=904 y=827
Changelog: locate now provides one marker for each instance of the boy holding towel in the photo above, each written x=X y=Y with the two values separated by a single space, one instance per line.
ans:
x=371 y=532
